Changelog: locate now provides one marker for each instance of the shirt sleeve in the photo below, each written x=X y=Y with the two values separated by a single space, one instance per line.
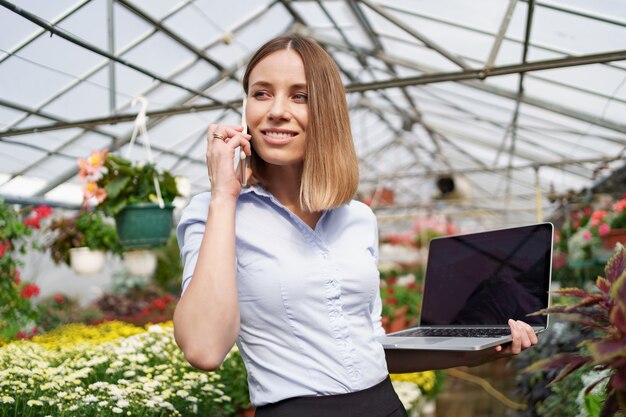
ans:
x=189 y=232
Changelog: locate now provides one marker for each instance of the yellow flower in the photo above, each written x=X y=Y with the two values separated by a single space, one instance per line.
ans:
x=425 y=380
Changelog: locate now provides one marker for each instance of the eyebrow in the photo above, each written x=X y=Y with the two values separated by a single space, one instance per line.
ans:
x=268 y=84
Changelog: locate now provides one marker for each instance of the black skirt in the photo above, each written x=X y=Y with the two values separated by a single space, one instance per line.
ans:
x=378 y=401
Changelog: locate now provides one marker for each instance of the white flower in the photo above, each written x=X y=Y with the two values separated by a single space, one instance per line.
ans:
x=156 y=329
x=32 y=403
x=408 y=392
x=6 y=400
x=182 y=393
x=117 y=410
x=123 y=403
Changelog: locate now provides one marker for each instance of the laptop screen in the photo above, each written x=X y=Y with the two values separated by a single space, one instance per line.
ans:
x=486 y=278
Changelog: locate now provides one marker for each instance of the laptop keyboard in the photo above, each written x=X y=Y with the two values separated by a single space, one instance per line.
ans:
x=447 y=332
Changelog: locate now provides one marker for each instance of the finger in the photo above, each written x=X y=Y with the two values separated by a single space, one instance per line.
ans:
x=530 y=333
x=516 y=343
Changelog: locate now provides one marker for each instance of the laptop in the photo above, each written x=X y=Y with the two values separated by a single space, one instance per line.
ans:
x=474 y=283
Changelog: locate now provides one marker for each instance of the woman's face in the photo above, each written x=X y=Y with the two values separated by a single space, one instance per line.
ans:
x=277 y=111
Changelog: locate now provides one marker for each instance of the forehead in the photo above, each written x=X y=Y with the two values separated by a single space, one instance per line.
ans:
x=281 y=66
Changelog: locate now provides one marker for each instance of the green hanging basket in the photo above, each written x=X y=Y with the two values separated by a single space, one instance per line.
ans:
x=144 y=225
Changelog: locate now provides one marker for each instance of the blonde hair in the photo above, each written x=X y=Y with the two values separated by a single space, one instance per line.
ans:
x=331 y=171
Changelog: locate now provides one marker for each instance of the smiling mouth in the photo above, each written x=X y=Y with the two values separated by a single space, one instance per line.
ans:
x=274 y=137
x=278 y=135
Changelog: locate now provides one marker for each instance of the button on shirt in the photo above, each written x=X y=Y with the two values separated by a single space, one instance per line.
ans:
x=309 y=299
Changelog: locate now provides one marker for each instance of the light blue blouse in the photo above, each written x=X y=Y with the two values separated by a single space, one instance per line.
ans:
x=309 y=299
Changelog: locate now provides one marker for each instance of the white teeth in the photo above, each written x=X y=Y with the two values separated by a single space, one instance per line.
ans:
x=279 y=135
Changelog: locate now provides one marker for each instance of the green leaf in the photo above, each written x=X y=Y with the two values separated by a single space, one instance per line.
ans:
x=114 y=187
x=593 y=404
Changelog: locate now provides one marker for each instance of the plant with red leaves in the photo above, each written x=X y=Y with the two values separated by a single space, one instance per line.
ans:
x=604 y=311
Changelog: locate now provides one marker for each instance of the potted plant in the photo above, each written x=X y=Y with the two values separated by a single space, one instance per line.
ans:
x=137 y=195
x=81 y=241
x=617 y=223
x=603 y=311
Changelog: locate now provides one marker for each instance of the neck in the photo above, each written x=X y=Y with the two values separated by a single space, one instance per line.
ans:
x=284 y=183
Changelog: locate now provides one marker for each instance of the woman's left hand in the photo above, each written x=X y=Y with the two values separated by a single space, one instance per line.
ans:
x=524 y=337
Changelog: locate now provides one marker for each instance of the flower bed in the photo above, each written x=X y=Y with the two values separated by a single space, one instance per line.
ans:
x=112 y=369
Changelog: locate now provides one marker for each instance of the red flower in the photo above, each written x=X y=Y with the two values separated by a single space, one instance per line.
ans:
x=392 y=301
x=21 y=335
x=390 y=290
x=32 y=222
x=2 y=250
x=160 y=304
x=17 y=277
x=168 y=298
x=59 y=298
x=29 y=291
x=411 y=285
x=144 y=312
x=391 y=280
x=41 y=212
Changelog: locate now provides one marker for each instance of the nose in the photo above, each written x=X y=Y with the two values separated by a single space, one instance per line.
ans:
x=279 y=109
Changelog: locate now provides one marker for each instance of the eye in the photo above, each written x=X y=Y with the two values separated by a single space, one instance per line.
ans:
x=300 y=97
x=260 y=94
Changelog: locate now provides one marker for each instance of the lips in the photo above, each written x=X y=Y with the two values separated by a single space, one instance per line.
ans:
x=278 y=136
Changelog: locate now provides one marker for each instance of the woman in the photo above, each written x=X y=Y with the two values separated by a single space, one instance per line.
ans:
x=287 y=268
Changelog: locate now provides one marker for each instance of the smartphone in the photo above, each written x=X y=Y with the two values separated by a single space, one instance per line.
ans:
x=242 y=167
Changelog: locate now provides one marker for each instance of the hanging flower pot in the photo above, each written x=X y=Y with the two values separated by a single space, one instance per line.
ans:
x=85 y=261
x=144 y=225
x=141 y=263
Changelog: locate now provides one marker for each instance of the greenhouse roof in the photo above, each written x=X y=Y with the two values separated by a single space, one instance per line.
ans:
x=516 y=102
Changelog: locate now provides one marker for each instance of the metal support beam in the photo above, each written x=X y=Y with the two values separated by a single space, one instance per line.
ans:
x=42 y=32
x=37 y=201
x=520 y=94
x=429 y=43
x=481 y=74
x=530 y=165
x=111 y=45
x=500 y=35
x=120 y=118
x=176 y=38
x=75 y=40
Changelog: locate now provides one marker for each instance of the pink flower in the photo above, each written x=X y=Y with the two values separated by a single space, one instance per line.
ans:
x=587 y=235
x=604 y=229
x=620 y=205
x=91 y=190
x=597 y=217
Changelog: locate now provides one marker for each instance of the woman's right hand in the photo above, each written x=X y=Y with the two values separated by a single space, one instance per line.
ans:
x=220 y=155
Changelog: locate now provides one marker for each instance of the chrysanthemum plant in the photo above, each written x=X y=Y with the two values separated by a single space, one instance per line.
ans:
x=603 y=310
